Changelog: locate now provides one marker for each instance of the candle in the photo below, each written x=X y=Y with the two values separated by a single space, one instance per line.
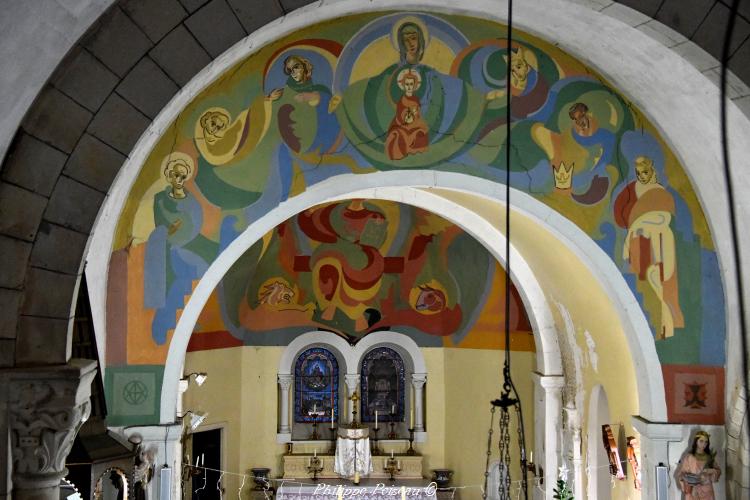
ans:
x=391 y=453
x=393 y=409
x=203 y=459
x=196 y=461
x=309 y=461
x=376 y=419
x=316 y=453
x=411 y=419
x=398 y=464
x=531 y=457
x=331 y=418
x=315 y=408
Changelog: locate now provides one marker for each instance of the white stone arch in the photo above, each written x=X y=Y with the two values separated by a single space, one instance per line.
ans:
x=330 y=341
x=409 y=188
x=396 y=186
x=598 y=476
x=636 y=64
x=413 y=359
x=405 y=346
x=285 y=374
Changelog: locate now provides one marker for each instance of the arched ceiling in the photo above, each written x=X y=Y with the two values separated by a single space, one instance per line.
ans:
x=89 y=116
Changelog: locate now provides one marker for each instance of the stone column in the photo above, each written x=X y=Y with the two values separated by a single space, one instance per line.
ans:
x=164 y=444
x=46 y=407
x=574 y=425
x=552 y=385
x=660 y=443
x=352 y=382
x=285 y=382
x=417 y=381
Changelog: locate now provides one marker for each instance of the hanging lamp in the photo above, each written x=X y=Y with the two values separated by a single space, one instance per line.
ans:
x=509 y=400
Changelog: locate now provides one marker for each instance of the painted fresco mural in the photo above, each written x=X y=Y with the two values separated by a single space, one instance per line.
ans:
x=397 y=91
x=359 y=266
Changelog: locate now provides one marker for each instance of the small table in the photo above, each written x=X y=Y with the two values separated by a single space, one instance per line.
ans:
x=353 y=452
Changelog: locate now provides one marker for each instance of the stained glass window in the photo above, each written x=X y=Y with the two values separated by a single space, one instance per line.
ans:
x=316 y=386
x=383 y=386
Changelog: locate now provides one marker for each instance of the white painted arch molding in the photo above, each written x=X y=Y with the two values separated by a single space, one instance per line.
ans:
x=352 y=354
x=683 y=106
x=406 y=188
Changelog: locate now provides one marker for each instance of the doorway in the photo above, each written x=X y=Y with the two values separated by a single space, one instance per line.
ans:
x=207 y=450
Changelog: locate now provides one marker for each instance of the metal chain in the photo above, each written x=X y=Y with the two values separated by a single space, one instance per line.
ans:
x=489 y=452
x=522 y=446
x=503 y=445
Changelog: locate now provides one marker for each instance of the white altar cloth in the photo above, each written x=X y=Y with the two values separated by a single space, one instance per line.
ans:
x=352 y=455
x=369 y=489
x=353 y=451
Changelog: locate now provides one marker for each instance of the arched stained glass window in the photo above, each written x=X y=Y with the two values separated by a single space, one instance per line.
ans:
x=316 y=386
x=383 y=386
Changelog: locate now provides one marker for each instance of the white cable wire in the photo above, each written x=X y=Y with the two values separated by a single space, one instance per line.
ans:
x=239 y=492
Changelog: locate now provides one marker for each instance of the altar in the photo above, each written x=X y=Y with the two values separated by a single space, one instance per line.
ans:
x=301 y=453
x=370 y=489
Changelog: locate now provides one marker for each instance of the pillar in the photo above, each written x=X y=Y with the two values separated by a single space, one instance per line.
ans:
x=46 y=407
x=574 y=426
x=660 y=443
x=417 y=382
x=552 y=386
x=285 y=382
x=165 y=444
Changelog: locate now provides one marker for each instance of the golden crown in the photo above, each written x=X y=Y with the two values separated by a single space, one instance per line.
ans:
x=563 y=175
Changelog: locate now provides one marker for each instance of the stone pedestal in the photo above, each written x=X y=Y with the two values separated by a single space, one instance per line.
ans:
x=46 y=407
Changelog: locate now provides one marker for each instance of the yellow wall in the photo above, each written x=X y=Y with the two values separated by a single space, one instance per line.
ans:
x=240 y=396
x=566 y=281
x=473 y=379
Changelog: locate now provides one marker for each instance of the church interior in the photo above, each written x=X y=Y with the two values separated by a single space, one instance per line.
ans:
x=344 y=248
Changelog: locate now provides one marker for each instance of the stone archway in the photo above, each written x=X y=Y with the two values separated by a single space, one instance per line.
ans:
x=452 y=204
x=35 y=319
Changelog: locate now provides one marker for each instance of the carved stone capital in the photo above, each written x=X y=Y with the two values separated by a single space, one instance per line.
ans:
x=418 y=380
x=352 y=381
x=46 y=407
x=285 y=381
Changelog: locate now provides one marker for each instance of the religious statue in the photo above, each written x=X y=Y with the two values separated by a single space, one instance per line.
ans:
x=698 y=469
x=634 y=449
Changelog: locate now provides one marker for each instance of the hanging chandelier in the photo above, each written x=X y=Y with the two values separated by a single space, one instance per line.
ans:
x=509 y=401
